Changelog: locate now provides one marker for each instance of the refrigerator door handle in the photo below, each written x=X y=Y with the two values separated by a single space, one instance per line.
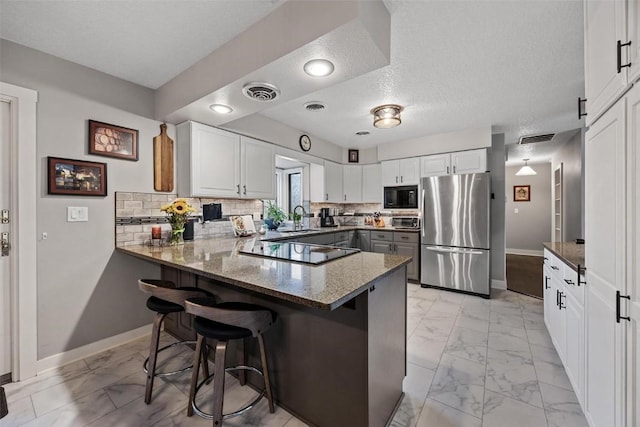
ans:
x=422 y=209
x=453 y=250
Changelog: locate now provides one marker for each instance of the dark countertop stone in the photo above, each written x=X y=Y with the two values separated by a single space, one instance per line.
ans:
x=570 y=253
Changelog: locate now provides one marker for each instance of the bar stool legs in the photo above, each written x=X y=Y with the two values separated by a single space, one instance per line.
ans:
x=218 y=382
x=153 y=356
x=265 y=370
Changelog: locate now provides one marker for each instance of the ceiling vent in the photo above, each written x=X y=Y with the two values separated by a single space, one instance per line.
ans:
x=314 y=106
x=261 y=91
x=533 y=139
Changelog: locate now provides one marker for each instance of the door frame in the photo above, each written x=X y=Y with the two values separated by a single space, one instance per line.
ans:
x=23 y=180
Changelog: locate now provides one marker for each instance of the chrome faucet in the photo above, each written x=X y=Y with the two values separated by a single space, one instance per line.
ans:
x=297 y=220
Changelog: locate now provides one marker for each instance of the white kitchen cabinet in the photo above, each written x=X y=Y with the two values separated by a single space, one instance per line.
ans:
x=604 y=25
x=208 y=161
x=461 y=162
x=258 y=169
x=605 y=258
x=574 y=342
x=333 y=182
x=352 y=183
x=216 y=163
x=371 y=184
x=401 y=172
x=435 y=165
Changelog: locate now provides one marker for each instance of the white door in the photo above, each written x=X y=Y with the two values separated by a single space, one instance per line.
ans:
x=436 y=165
x=390 y=173
x=352 y=183
x=258 y=169
x=604 y=25
x=410 y=171
x=472 y=161
x=333 y=181
x=215 y=162
x=5 y=295
x=371 y=184
x=633 y=265
x=605 y=257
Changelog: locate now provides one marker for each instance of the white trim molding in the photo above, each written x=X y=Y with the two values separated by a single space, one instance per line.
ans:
x=24 y=330
x=527 y=252
x=66 y=357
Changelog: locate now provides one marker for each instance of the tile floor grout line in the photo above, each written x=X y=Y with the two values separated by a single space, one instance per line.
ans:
x=535 y=370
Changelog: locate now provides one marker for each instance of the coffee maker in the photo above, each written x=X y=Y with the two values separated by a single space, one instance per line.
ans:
x=326 y=220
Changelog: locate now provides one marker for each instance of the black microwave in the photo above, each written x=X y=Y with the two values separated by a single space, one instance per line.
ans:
x=404 y=197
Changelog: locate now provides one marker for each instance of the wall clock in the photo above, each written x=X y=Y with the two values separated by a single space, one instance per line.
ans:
x=305 y=142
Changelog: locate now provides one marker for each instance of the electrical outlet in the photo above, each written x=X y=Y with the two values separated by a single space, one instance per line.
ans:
x=516 y=210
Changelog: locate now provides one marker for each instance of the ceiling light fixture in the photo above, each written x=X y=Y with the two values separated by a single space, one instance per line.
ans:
x=526 y=170
x=318 y=68
x=387 y=116
x=221 y=108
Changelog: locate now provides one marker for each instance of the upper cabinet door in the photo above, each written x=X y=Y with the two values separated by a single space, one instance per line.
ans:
x=333 y=182
x=215 y=162
x=409 y=171
x=390 y=173
x=604 y=26
x=352 y=183
x=633 y=34
x=371 y=184
x=473 y=161
x=258 y=169
x=436 y=165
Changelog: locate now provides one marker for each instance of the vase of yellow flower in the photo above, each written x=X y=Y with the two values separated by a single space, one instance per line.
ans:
x=177 y=214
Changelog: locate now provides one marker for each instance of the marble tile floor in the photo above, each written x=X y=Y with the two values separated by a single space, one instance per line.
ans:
x=471 y=362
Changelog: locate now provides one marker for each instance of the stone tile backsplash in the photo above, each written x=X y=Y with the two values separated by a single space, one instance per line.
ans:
x=147 y=206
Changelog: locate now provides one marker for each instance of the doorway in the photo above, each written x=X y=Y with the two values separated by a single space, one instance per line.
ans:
x=524 y=274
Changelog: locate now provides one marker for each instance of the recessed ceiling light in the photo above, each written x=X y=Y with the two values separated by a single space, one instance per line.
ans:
x=314 y=106
x=363 y=132
x=318 y=67
x=221 y=108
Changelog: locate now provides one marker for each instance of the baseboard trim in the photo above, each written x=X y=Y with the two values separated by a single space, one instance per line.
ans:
x=529 y=252
x=66 y=357
x=498 y=284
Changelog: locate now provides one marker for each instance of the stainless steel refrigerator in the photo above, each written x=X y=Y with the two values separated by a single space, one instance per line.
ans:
x=455 y=233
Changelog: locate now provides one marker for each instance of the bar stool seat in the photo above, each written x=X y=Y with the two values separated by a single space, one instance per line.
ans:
x=224 y=322
x=165 y=299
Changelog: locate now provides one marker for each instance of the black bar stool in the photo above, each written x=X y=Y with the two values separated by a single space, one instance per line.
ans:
x=165 y=299
x=224 y=322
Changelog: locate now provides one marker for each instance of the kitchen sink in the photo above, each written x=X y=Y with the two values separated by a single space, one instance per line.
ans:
x=291 y=230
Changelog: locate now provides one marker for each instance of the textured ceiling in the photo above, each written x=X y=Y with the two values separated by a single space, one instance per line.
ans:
x=514 y=65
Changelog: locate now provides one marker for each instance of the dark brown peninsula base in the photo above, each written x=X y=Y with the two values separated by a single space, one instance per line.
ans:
x=335 y=368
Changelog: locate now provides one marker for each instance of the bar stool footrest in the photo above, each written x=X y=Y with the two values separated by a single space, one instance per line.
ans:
x=168 y=374
x=234 y=413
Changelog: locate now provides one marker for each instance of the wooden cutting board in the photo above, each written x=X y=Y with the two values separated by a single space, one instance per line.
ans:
x=163 y=161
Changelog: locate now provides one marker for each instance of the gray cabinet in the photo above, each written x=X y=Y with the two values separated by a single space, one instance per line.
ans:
x=399 y=243
x=362 y=240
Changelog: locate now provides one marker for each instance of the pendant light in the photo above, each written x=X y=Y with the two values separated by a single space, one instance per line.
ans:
x=526 y=170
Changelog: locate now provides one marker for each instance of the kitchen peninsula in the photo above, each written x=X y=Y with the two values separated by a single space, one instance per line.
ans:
x=338 y=349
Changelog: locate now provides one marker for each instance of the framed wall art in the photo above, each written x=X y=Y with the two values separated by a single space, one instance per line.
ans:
x=521 y=193
x=354 y=156
x=76 y=177
x=113 y=141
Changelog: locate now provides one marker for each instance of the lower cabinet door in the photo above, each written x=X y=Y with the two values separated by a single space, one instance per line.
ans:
x=574 y=345
x=412 y=251
x=381 y=247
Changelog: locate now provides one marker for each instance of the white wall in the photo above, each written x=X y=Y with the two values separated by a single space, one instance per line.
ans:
x=86 y=291
x=433 y=144
x=531 y=226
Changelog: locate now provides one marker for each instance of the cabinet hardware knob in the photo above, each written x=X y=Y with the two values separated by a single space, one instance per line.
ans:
x=546 y=280
x=454 y=169
x=557 y=298
x=447 y=170
x=238 y=189
x=561 y=304
x=244 y=190
x=569 y=282
x=620 y=65
x=401 y=178
x=580 y=113
x=396 y=179
x=553 y=267
x=618 y=298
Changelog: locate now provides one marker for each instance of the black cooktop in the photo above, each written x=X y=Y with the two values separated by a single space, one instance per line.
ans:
x=305 y=253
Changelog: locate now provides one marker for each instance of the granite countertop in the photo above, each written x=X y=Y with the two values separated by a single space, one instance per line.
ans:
x=326 y=286
x=277 y=235
x=571 y=253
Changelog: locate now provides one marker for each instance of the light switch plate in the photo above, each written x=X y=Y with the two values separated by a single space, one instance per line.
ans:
x=77 y=214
